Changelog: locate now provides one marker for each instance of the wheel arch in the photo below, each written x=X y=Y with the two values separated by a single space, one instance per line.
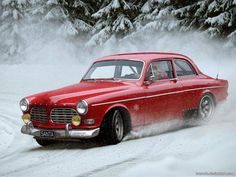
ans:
x=209 y=92
x=125 y=115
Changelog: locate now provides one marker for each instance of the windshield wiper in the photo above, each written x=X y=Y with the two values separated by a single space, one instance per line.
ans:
x=89 y=79
x=112 y=78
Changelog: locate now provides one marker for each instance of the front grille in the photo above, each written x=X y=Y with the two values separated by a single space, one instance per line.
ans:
x=38 y=114
x=62 y=115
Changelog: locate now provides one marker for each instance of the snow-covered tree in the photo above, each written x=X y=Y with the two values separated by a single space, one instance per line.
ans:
x=80 y=16
x=12 y=13
x=115 y=17
x=155 y=16
x=100 y=20
x=215 y=17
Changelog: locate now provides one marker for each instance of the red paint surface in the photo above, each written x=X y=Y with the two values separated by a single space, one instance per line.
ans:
x=146 y=103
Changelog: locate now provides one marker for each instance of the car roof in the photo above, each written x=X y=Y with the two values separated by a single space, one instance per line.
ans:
x=144 y=56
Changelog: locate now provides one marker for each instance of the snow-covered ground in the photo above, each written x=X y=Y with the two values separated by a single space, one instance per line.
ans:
x=205 y=149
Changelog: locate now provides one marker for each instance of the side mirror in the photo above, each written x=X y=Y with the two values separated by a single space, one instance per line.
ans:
x=149 y=80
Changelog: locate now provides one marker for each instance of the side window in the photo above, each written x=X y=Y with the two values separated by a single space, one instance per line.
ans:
x=161 y=70
x=183 y=68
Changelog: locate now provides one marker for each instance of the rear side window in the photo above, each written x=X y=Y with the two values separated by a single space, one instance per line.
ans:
x=183 y=68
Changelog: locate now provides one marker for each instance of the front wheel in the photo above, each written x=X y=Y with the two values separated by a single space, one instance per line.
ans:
x=206 y=107
x=44 y=142
x=113 y=129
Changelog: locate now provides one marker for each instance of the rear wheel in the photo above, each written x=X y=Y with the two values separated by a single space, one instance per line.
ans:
x=206 y=107
x=113 y=128
x=44 y=142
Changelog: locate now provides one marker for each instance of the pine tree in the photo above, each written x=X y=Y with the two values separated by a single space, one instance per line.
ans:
x=12 y=12
x=80 y=16
x=155 y=16
x=216 y=17
x=114 y=18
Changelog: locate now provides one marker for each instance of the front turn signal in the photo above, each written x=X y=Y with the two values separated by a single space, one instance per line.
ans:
x=26 y=118
x=76 y=120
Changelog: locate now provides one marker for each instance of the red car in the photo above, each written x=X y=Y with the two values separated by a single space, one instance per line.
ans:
x=120 y=92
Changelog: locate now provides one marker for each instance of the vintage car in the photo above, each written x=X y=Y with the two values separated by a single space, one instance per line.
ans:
x=121 y=92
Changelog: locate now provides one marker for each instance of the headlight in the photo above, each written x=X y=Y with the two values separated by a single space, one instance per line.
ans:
x=24 y=104
x=82 y=107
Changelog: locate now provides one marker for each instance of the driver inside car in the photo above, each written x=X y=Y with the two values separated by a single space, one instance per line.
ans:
x=158 y=71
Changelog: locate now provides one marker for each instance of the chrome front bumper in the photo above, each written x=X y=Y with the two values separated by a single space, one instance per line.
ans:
x=29 y=129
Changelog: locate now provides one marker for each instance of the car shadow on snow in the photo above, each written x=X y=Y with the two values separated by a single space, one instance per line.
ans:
x=142 y=132
x=73 y=144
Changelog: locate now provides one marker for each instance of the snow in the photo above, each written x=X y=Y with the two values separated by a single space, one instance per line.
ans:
x=55 y=13
x=220 y=19
x=5 y=14
x=67 y=29
x=212 y=31
x=115 y=4
x=100 y=37
x=6 y=2
x=212 y=6
x=22 y=2
x=122 y=23
x=15 y=14
x=146 y=7
x=52 y=2
x=82 y=26
x=180 y=152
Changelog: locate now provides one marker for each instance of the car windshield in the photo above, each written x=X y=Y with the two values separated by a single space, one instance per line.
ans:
x=115 y=69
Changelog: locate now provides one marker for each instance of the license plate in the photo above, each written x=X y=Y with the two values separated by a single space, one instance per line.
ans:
x=45 y=133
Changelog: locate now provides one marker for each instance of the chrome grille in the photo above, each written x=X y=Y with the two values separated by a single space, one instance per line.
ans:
x=62 y=115
x=39 y=114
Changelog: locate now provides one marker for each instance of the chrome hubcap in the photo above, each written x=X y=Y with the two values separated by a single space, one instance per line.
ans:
x=119 y=125
x=206 y=107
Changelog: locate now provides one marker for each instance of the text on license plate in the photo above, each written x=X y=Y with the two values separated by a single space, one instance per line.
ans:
x=46 y=133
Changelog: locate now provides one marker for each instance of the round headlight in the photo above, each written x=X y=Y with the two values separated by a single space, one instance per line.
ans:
x=82 y=107
x=24 y=104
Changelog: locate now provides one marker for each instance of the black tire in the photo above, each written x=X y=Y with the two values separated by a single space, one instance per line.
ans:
x=44 y=142
x=113 y=128
x=206 y=107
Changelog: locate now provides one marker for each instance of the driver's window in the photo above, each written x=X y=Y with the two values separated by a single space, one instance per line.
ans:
x=160 y=70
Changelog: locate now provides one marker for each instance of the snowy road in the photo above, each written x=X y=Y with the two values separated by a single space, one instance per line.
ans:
x=185 y=152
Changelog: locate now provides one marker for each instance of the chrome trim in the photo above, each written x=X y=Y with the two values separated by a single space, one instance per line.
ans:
x=39 y=114
x=157 y=95
x=64 y=117
x=27 y=104
x=29 y=129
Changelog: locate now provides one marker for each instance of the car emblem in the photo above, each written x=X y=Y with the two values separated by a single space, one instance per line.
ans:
x=136 y=107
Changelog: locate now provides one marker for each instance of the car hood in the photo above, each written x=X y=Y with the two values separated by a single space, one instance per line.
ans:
x=70 y=95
